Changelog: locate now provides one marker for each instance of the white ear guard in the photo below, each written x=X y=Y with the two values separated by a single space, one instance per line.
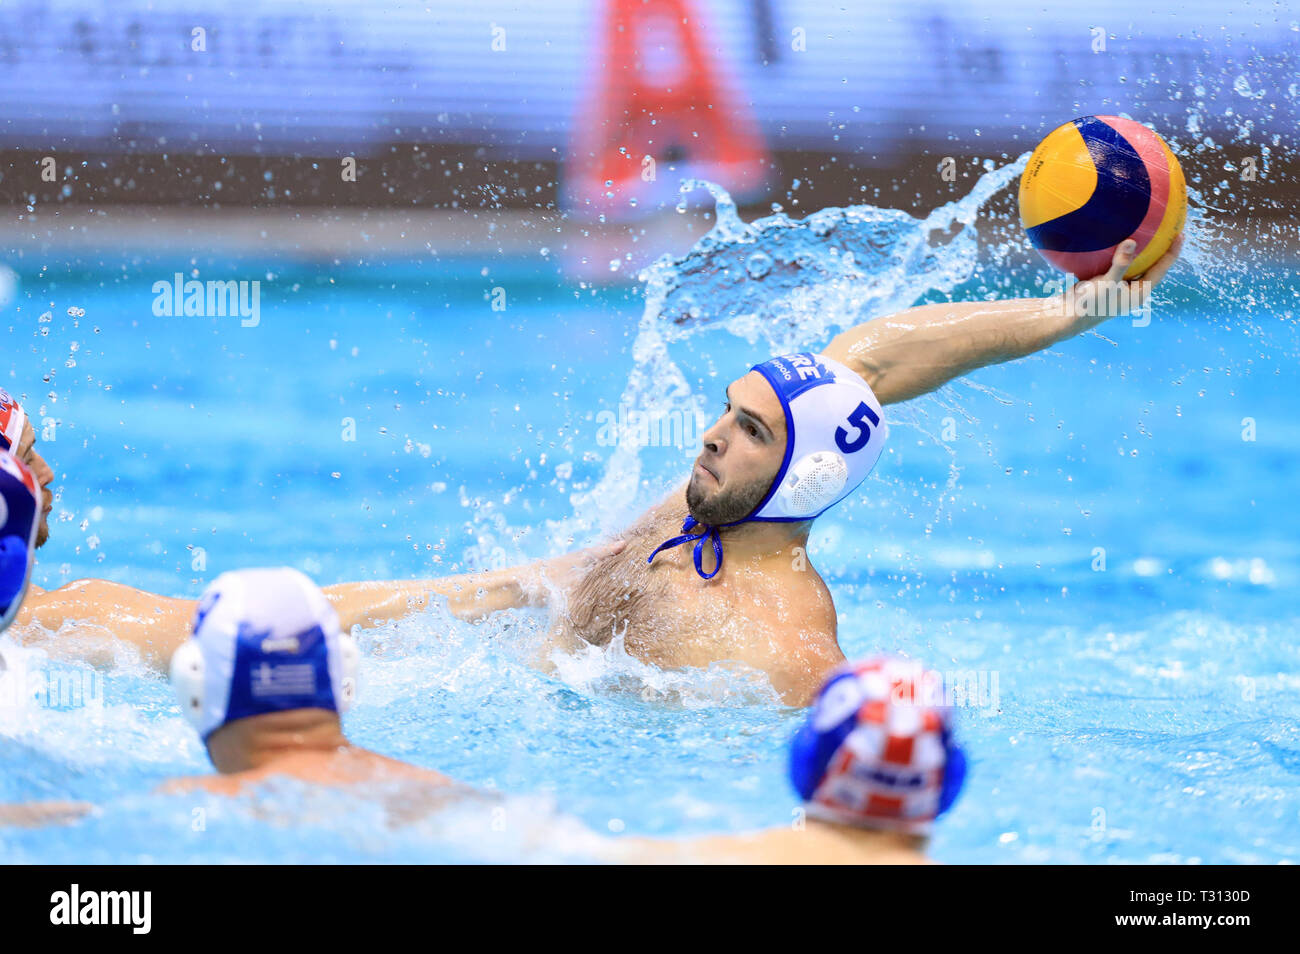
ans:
x=814 y=482
x=187 y=671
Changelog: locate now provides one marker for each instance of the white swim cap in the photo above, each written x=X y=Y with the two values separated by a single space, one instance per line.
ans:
x=264 y=641
x=834 y=433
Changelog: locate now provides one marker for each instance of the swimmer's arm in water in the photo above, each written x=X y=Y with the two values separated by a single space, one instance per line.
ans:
x=154 y=624
x=105 y=612
x=909 y=354
x=470 y=596
x=35 y=814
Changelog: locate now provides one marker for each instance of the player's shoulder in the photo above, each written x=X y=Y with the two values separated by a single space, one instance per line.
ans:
x=807 y=595
x=796 y=651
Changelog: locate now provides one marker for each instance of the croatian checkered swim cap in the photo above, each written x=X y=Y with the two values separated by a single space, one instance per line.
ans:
x=878 y=749
x=263 y=641
x=12 y=420
x=20 y=516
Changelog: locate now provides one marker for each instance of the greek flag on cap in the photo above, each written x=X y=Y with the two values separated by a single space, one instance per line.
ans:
x=264 y=641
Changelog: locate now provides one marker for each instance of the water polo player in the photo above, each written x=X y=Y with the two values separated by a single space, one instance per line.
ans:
x=264 y=679
x=720 y=570
x=874 y=764
x=799 y=433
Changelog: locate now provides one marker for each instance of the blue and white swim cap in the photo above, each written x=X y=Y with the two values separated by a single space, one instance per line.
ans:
x=263 y=641
x=878 y=748
x=834 y=433
x=20 y=517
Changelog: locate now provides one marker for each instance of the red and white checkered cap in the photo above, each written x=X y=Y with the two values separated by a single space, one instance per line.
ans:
x=877 y=746
x=12 y=419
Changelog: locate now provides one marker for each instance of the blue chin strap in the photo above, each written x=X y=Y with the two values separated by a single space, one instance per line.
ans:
x=706 y=533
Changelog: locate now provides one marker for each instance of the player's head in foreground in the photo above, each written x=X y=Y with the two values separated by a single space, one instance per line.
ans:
x=798 y=434
x=266 y=669
x=18 y=437
x=877 y=750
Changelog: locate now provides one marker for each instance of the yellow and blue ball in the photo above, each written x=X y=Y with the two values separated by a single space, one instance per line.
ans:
x=1095 y=182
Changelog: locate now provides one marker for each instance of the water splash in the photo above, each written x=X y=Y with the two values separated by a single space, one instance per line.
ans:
x=610 y=671
x=790 y=283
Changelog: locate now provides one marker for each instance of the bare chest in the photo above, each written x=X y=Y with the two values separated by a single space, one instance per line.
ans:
x=664 y=612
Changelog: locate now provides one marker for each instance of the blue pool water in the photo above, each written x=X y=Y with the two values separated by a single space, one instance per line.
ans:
x=1145 y=712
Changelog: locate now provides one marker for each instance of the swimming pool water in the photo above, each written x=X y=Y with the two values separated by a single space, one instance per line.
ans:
x=1145 y=712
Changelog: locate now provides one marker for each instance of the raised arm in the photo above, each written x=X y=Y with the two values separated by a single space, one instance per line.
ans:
x=906 y=355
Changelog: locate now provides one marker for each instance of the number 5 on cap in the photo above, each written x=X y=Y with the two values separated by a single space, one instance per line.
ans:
x=842 y=441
